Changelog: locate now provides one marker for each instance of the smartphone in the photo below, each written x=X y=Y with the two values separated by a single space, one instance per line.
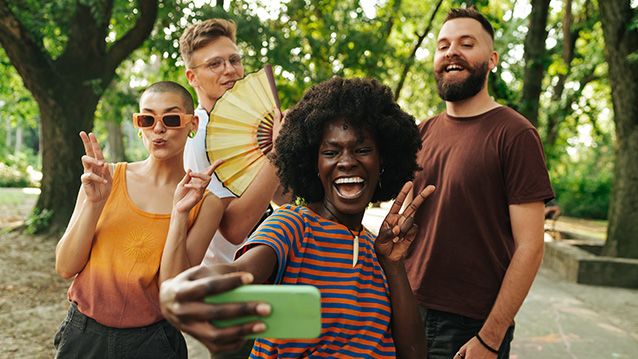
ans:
x=296 y=309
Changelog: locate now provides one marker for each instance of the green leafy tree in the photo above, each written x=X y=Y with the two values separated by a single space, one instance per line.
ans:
x=310 y=41
x=18 y=114
x=66 y=53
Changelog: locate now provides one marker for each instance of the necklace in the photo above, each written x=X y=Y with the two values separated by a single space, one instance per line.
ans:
x=355 y=247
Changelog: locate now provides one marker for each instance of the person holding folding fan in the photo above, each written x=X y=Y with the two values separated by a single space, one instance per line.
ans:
x=213 y=65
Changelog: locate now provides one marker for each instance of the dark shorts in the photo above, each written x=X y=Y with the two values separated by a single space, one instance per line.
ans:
x=82 y=337
x=448 y=332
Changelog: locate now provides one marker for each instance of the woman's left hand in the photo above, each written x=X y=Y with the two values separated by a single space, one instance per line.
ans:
x=398 y=229
x=191 y=188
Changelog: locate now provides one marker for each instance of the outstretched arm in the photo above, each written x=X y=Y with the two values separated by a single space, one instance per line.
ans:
x=73 y=249
x=243 y=213
x=395 y=236
x=185 y=248
x=182 y=299
x=527 y=227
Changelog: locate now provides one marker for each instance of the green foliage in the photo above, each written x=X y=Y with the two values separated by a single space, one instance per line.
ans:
x=308 y=41
x=12 y=177
x=17 y=170
x=633 y=25
x=45 y=22
x=37 y=221
x=19 y=115
x=582 y=177
x=584 y=194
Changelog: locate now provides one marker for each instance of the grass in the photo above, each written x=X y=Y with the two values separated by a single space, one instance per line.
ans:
x=13 y=196
x=16 y=204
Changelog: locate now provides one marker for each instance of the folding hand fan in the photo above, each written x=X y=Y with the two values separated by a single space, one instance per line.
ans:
x=240 y=129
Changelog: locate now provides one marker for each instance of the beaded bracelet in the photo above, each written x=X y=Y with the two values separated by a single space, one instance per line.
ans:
x=485 y=344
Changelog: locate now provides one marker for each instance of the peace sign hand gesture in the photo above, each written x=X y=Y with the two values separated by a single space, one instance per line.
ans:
x=398 y=229
x=191 y=188
x=96 y=180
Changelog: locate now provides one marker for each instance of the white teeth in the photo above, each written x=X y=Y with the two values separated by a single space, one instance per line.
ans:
x=454 y=67
x=349 y=180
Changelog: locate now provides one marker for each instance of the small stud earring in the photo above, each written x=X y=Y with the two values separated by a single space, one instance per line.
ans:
x=139 y=133
x=191 y=134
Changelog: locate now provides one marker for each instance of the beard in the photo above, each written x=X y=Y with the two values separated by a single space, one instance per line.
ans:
x=461 y=90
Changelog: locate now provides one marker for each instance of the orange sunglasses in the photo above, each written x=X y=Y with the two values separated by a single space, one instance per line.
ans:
x=170 y=120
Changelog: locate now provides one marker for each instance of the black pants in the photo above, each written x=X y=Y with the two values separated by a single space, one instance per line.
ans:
x=448 y=332
x=82 y=337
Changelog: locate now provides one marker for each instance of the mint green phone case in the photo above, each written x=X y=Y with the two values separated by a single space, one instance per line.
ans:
x=296 y=309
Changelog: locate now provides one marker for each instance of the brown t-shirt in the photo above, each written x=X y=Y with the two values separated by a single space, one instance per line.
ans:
x=479 y=165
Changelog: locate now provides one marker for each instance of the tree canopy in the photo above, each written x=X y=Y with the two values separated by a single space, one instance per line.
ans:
x=68 y=65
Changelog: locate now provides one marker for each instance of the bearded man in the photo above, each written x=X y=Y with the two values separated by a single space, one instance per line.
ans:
x=480 y=239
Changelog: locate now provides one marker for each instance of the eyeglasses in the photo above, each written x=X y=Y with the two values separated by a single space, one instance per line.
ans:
x=170 y=120
x=218 y=64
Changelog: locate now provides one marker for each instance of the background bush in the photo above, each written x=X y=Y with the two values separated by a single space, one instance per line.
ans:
x=17 y=171
x=583 y=190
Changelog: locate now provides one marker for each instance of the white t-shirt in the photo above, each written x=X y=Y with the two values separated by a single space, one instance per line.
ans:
x=196 y=159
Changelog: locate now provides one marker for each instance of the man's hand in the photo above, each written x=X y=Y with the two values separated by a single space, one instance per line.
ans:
x=473 y=349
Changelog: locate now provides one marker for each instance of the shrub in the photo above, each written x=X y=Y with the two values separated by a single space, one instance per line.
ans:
x=16 y=171
x=584 y=194
x=12 y=177
x=37 y=221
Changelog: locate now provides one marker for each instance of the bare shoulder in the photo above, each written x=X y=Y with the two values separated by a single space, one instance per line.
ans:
x=134 y=172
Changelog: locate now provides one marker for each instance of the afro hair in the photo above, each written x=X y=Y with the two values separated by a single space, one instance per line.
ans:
x=365 y=104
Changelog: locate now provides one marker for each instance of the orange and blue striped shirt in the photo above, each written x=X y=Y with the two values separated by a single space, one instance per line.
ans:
x=355 y=302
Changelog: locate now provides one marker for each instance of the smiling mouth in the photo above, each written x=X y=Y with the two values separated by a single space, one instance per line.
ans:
x=349 y=187
x=454 y=68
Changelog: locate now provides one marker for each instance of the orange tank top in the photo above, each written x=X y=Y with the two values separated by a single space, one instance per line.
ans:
x=119 y=286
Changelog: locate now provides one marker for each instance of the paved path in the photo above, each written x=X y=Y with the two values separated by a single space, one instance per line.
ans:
x=568 y=320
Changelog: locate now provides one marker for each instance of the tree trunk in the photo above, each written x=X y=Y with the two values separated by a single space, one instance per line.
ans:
x=7 y=140
x=115 y=142
x=621 y=40
x=535 y=60
x=61 y=122
x=556 y=117
x=18 y=144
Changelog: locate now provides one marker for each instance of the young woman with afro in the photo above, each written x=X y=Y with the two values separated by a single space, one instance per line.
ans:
x=344 y=145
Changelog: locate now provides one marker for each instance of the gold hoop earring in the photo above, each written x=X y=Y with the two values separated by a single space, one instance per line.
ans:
x=139 y=133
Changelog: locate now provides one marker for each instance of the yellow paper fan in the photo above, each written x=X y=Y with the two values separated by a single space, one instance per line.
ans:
x=240 y=129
